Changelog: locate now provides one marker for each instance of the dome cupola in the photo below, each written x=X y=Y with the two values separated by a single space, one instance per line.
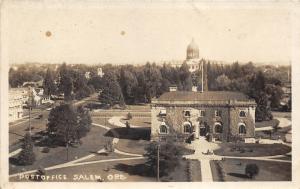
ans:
x=192 y=51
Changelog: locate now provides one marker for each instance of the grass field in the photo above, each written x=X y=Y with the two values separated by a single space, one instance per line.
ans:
x=93 y=142
x=234 y=170
x=271 y=123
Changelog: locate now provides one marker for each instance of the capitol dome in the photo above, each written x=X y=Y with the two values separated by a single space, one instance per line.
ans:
x=192 y=51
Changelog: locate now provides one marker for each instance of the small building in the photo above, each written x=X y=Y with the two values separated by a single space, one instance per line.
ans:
x=87 y=75
x=45 y=99
x=100 y=72
x=218 y=114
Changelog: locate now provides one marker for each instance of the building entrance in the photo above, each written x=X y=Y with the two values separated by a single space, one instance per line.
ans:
x=204 y=129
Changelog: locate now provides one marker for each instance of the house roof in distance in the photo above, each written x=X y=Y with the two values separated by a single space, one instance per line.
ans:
x=203 y=96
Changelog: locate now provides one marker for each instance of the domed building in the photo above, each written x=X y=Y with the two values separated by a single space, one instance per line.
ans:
x=192 y=57
x=192 y=51
x=215 y=115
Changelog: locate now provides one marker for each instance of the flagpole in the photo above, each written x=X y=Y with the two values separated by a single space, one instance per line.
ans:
x=202 y=77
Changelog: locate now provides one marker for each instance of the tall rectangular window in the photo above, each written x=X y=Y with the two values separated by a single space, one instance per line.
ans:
x=218 y=113
x=202 y=113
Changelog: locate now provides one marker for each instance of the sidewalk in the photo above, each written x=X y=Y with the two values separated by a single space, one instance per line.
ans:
x=116 y=121
x=201 y=146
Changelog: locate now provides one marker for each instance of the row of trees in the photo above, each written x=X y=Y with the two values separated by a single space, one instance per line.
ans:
x=129 y=85
x=69 y=81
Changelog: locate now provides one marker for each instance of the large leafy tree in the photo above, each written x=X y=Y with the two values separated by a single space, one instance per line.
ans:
x=48 y=83
x=81 y=88
x=111 y=93
x=128 y=83
x=63 y=123
x=275 y=92
x=223 y=82
x=96 y=82
x=153 y=81
x=84 y=121
x=257 y=90
x=170 y=154
x=185 y=77
x=66 y=82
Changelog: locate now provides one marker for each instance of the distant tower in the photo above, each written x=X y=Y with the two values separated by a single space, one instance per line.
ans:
x=192 y=57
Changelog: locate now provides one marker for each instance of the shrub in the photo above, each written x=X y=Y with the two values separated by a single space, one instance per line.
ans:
x=127 y=125
x=109 y=147
x=251 y=170
x=46 y=150
x=129 y=116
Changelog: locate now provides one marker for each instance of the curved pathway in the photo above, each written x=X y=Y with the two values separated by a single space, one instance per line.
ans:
x=77 y=162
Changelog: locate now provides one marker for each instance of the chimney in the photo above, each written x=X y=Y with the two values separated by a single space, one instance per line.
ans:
x=172 y=88
x=194 y=88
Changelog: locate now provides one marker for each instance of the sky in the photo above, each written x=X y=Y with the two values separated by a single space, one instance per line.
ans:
x=104 y=34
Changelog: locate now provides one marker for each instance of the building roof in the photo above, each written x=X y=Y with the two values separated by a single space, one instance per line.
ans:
x=193 y=46
x=203 y=96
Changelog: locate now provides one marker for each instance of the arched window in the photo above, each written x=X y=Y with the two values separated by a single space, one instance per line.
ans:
x=242 y=113
x=218 y=127
x=163 y=129
x=242 y=128
x=187 y=128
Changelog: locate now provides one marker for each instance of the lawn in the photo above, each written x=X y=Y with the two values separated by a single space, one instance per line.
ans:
x=234 y=170
x=93 y=142
x=131 y=170
x=102 y=121
x=280 y=134
x=17 y=132
x=252 y=150
x=132 y=146
x=142 y=107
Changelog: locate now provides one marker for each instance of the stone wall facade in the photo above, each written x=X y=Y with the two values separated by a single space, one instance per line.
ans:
x=229 y=120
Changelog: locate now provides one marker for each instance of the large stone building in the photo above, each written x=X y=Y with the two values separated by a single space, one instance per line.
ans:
x=218 y=115
x=15 y=104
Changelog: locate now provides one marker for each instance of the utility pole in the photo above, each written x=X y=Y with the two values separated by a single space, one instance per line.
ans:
x=67 y=150
x=202 y=76
x=30 y=108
